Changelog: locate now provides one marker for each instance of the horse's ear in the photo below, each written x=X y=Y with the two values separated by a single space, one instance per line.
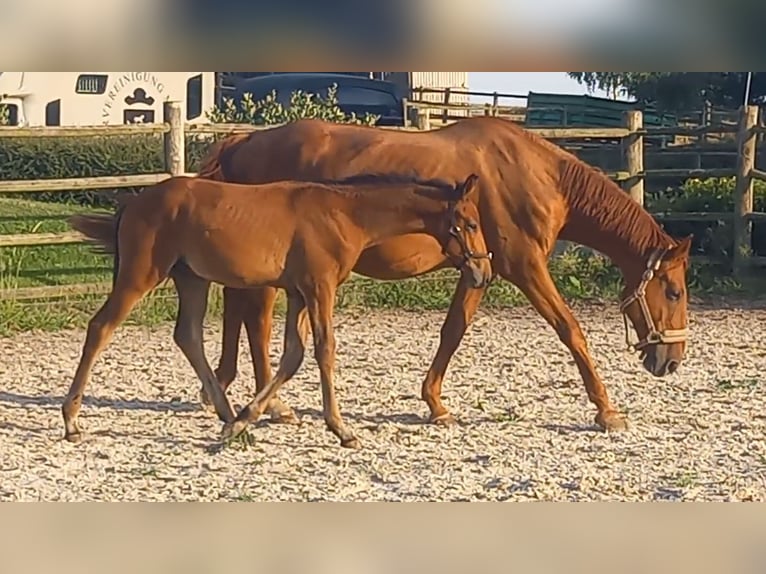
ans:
x=470 y=186
x=680 y=250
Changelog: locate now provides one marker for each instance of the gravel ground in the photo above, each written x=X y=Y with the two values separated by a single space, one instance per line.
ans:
x=525 y=432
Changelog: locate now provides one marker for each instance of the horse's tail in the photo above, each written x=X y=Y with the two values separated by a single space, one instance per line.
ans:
x=210 y=164
x=100 y=231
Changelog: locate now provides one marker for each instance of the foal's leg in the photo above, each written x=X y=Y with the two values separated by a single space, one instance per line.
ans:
x=296 y=333
x=534 y=279
x=320 y=305
x=462 y=309
x=192 y=305
x=131 y=285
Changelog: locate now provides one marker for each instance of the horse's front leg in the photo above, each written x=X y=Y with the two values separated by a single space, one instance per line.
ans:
x=462 y=309
x=534 y=279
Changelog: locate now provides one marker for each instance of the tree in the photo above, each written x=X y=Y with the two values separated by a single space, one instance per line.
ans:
x=678 y=91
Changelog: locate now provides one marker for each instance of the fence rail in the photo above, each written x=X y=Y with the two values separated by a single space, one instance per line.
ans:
x=631 y=177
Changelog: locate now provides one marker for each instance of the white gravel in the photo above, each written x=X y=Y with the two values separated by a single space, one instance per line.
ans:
x=526 y=429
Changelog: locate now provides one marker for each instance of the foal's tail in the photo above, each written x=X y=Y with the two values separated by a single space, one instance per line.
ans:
x=100 y=231
x=210 y=165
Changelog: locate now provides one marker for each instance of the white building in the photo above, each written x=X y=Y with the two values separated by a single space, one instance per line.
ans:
x=94 y=98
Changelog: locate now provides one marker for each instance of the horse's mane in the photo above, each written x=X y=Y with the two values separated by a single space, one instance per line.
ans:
x=593 y=194
x=210 y=164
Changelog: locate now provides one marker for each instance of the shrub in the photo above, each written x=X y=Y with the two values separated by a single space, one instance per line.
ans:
x=712 y=195
x=269 y=111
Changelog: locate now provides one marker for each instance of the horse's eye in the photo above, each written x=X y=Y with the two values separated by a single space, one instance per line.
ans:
x=673 y=294
x=471 y=226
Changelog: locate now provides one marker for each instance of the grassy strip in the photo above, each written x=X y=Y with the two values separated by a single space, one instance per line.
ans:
x=578 y=275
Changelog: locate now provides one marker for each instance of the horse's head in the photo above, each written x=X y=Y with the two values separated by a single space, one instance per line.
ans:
x=465 y=245
x=656 y=306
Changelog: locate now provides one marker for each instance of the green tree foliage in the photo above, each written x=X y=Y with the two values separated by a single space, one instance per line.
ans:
x=269 y=111
x=677 y=91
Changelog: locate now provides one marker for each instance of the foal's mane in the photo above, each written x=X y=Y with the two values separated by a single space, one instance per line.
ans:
x=357 y=184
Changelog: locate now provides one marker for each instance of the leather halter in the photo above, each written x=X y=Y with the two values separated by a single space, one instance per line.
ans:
x=654 y=335
x=468 y=254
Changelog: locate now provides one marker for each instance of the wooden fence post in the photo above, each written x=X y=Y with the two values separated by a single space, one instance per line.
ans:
x=445 y=111
x=174 y=143
x=424 y=119
x=634 y=155
x=743 y=191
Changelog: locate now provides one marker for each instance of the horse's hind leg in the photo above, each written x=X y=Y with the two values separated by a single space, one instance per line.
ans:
x=258 y=316
x=192 y=304
x=235 y=305
x=254 y=307
x=296 y=333
x=126 y=293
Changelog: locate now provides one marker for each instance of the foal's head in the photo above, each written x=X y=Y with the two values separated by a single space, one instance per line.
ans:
x=657 y=309
x=464 y=243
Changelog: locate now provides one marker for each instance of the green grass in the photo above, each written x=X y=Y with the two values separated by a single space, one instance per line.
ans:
x=45 y=265
x=578 y=276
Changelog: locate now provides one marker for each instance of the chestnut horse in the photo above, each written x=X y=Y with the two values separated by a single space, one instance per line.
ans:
x=304 y=237
x=533 y=193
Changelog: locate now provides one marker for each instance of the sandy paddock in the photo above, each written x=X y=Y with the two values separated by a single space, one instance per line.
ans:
x=526 y=429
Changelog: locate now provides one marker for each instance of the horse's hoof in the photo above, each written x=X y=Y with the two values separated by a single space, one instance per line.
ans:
x=286 y=418
x=352 y=443
x=445 y=420
x=612 y=421
x=232 y=430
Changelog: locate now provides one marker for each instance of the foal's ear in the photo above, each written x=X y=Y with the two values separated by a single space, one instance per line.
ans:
x=470 y=186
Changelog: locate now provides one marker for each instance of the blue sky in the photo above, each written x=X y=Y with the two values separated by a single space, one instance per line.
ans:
x=524 y=82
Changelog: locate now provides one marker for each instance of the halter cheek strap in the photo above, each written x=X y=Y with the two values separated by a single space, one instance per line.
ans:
x=654 y=335
x=468 y=254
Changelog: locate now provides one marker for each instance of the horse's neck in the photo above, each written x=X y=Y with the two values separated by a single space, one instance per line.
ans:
x=608 y=220
x=383 y=215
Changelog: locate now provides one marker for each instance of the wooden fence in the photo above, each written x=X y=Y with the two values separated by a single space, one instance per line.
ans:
x=631 y=177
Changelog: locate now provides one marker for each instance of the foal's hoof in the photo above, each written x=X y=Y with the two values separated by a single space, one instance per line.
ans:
x=445 y=420
x=73 y=437
x=285 y=418
x=611 y=421
x=352 y=442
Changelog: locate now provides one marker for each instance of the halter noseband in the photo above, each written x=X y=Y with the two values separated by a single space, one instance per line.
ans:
x=654 y=335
